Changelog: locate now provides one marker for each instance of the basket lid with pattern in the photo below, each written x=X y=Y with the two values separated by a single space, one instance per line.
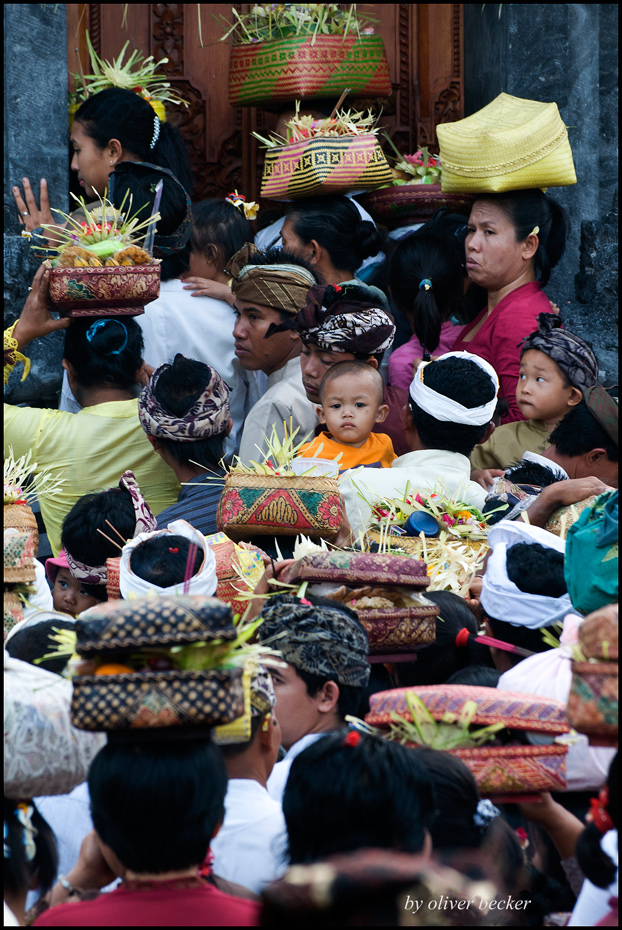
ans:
x=152 y=621
x=515 y=709
x=19 y=556
x=357 y=567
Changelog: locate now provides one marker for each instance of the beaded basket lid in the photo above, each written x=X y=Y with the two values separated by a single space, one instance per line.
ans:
x=152 y=621
x=357 y=568
x=515 y=709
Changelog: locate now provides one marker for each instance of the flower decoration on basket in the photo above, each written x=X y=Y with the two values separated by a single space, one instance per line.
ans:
x=269 y=21
x=137 y=74
x=107 y=237
x=420 y=168
x=448 y=535
x=270 y=497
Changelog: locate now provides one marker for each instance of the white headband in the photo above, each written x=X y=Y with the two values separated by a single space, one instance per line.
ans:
x=501 y=599
x=444 y=408
x=203 y=583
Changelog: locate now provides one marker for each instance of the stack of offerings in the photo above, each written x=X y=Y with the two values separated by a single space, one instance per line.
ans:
x=156 y=662
x=593 y=699
x=491 y=731
x=99 y=268
x=384 y=590
x=325 y=156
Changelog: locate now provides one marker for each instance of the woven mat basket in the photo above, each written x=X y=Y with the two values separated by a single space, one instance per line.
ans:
x=118 y=291
x=21 y=517
x=271 y=505
x=400 y=629
x=510 y=144
x=593 y=701
x=324 y=165
x=294 y=67
x=145 y=700
x=516 y=769
x=402 y=204
x=562 y=519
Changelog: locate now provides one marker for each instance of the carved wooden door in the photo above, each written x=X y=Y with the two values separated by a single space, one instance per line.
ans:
x=423 y=44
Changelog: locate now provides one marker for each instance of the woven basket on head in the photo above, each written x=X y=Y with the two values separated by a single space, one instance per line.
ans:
x=593 y=701
x=511 y=144
x=23 y=519
x=269 y=504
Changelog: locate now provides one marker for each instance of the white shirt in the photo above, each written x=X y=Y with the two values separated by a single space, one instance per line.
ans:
x=285 y=398
x=250 y=846
x=280 y=772
x=428 y=468
x=593 y=902
x=549 y=674
x=199 y=328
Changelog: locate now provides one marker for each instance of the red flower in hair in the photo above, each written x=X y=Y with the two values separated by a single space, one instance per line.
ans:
x=352 y=739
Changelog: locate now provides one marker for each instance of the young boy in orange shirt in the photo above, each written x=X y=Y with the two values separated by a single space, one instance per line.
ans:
x=351 y=402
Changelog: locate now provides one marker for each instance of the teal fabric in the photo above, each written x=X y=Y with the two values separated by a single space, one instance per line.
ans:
x=591 y=565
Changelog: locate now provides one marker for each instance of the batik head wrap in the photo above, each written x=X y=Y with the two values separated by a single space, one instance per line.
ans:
x=280 y=286
x=145 y=522
x=342 y=318
x=326 y=641
x=604 y=409
x=208 y=416
x=573 y=355
x=204 y=583
x=444 y=408
x=503 y=600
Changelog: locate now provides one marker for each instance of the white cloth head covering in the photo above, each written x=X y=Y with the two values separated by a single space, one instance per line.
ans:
x=444 y=408
x=203 y=583
x=501 y=598
x=557 y=470
x=43 y=752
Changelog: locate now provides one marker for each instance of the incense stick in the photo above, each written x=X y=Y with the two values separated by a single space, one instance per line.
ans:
x=339 y=102
x=192 y=551
x=115 y=530
x=113 y=541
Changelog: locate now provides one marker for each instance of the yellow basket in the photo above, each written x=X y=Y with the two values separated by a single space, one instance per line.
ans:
x=511 y=144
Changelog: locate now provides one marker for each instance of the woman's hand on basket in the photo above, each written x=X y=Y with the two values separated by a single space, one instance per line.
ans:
x=35 y=319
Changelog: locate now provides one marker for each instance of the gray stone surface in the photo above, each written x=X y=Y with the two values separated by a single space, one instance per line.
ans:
x=566 y=52
x=36 y=142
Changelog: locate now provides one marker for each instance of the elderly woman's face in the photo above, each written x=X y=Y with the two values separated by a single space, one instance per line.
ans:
x=494 y=258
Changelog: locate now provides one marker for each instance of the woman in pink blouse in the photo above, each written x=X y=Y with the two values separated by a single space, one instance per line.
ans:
x=513 y=241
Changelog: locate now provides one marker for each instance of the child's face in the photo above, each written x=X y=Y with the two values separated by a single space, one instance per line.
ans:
x=540 y=392
x=351 y=406
x=69 y=596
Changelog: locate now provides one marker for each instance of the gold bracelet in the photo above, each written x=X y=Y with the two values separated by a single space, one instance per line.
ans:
x=12 y=355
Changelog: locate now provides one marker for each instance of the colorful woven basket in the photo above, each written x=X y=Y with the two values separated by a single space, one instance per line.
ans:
x=19 y=557
x=497 y=769
x=402 y=204
x=324 y=165
x=268 y=504
x=157 y=699
x=562 y=519
x=22 y=518
x=113 y=589
x=399 y=630
x=118 y=291
x=295 y=67
x=593 y=701
x=511 y=144
x=13 y=610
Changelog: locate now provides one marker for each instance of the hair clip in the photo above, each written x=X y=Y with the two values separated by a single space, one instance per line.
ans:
x=156 y=131
x=598 y=814
x=535 y=231
x=250 y=210
x=99 y=324
x=427 y=283
x=352 y=739
x=170 y=549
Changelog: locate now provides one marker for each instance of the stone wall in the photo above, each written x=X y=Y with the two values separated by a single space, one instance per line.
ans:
x=35 y=146
x=566 y=52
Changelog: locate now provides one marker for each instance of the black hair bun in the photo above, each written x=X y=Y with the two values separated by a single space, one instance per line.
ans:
x=367 y=239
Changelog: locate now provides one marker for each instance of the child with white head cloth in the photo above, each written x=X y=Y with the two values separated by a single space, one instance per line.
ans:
x=451 y=404
x=176 y=560
x=523 y=593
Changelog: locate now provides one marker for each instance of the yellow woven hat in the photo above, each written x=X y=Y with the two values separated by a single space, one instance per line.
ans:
x=511 y=144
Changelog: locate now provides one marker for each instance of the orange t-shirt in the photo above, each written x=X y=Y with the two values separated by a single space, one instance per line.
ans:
x=377 y=452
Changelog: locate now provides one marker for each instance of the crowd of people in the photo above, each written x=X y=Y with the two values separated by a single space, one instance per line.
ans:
x=429 y=360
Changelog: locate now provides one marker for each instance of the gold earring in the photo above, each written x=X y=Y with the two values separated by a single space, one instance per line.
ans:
x=266 y=723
